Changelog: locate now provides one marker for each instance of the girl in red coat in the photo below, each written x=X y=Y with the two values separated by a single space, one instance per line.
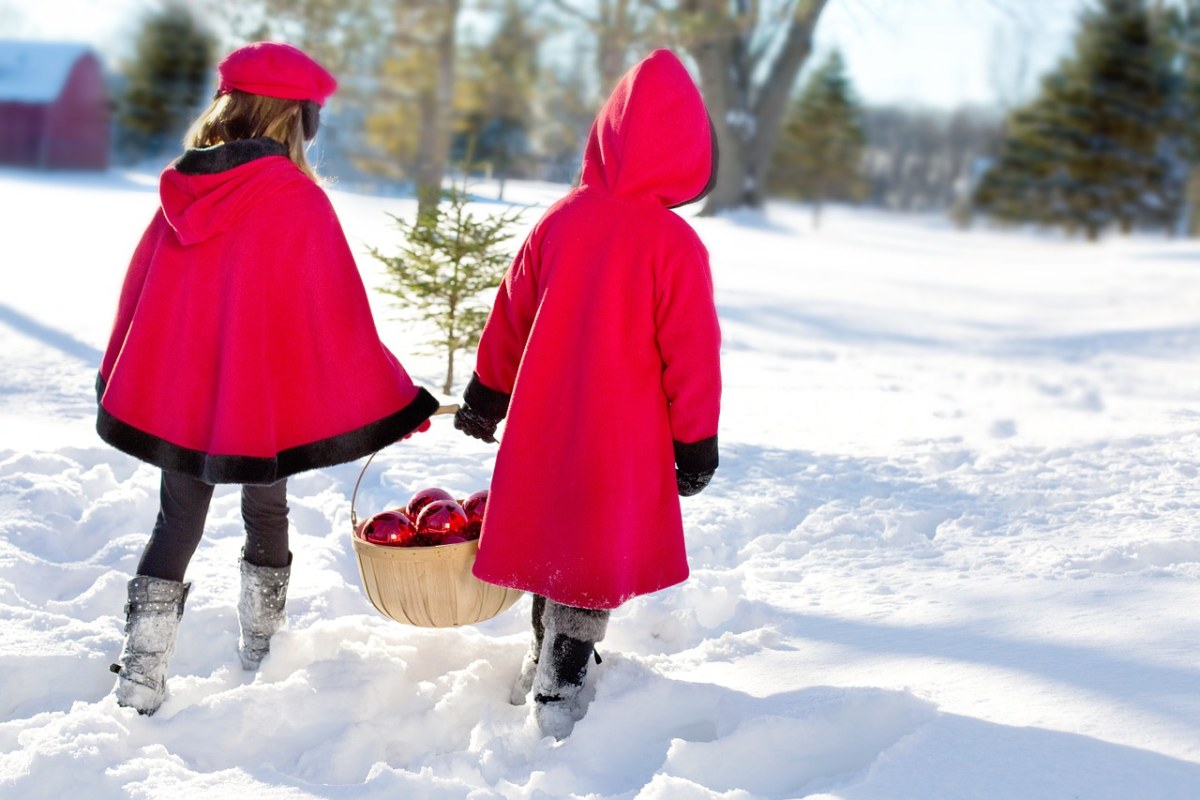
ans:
x=603 y=352
x=244 y=351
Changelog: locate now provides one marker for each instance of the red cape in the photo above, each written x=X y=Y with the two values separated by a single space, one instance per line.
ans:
x=604 y=349
x=244 y=349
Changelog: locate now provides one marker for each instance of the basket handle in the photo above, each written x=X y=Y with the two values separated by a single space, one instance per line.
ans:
x=446 y=409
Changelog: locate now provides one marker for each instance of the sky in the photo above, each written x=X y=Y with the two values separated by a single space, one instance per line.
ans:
x=947 y=53
x=936 y=53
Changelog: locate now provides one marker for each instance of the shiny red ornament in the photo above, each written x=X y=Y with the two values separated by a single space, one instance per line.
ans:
x=439 y=519
x=453 y=540
x=391 y=528
x=474 y=506
x=424 y=497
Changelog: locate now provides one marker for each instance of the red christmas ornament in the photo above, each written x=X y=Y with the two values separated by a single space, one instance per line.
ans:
x=439 y=519
x=473 y=507
x=453 y=540
x=391 y=528
x=424 y=497
x=475 y=504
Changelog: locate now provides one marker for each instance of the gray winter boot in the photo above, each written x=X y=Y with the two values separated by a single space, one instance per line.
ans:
x=524 y=682
x=260 y=609
x=151 y=623
x=569 y=642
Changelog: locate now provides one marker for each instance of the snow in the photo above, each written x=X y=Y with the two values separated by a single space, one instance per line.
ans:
x=952 y=550
x=36 y=72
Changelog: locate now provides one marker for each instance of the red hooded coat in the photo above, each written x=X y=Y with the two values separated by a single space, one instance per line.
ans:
x=244 y=349
x=603 y=348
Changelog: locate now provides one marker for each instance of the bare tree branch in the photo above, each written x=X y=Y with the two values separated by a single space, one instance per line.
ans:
x=796 y=49
x=571 y=10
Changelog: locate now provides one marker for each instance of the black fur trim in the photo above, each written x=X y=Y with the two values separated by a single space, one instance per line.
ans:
x=222 y=157
x=485 y=401
x=252 y=469
x=698 y=456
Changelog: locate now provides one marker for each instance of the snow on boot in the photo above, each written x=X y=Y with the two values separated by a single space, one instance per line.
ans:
x=260 y=609
x=570 y=638
x=524 y=682
x=151 y=624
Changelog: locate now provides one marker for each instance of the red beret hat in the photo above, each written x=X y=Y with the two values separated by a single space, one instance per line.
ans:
x=274 y=69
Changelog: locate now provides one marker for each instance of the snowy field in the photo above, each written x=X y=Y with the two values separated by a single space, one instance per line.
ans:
x=953 y=549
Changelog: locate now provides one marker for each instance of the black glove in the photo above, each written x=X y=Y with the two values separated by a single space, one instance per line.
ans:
x=472 y=423
x=691 y=483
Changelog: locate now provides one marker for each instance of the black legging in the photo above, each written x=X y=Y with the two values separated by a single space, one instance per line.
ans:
x=183 y=508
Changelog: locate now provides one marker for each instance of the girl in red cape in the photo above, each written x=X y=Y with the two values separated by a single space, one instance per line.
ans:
x=244 y=351
x=603 y=352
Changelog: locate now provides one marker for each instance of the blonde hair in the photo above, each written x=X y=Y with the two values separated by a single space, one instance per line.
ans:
x=240 y=115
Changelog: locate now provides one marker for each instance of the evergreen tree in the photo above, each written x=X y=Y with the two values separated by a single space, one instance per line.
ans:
x=819 y=155
x=1184 y=24
x=168 y=78
x=496 y=96
x=450 y=258
x=1089 y=152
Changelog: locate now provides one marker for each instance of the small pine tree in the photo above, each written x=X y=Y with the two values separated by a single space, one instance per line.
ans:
x=1088 y=153
x=820 y=150
x=167 y=79
x=449 y=260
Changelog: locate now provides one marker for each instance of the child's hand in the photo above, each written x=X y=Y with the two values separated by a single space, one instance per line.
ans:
x=472 y=423
x=691 y=483
x=424 y=426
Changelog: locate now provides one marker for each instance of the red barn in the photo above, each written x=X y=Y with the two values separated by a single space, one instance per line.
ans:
x=54 y=109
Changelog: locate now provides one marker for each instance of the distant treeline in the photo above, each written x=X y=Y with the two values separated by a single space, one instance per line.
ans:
x=1111 y=139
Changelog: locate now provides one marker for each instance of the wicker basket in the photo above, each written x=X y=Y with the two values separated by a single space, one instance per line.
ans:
x=427 y=586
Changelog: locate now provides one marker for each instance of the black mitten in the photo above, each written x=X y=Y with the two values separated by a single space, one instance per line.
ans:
x=691 y=483
x=472 y=423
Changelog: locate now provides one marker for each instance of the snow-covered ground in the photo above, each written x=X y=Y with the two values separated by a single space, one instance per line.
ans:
x=953 y=549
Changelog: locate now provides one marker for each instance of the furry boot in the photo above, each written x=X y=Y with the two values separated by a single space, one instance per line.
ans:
x=524 y=682
x=260 y=609
x=152 y=616
x=569 y=642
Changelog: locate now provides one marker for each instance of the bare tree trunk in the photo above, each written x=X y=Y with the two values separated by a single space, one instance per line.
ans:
x=430 y=168
x=615 y=32
x=1192 y=201
x=617 y=26
x=725 y=83
x=448 y=384
x=747 y=110
x=452 y=335
x=437 y=113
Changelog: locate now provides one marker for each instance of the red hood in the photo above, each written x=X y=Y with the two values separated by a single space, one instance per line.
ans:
x=653 y=136
x=201 y=206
